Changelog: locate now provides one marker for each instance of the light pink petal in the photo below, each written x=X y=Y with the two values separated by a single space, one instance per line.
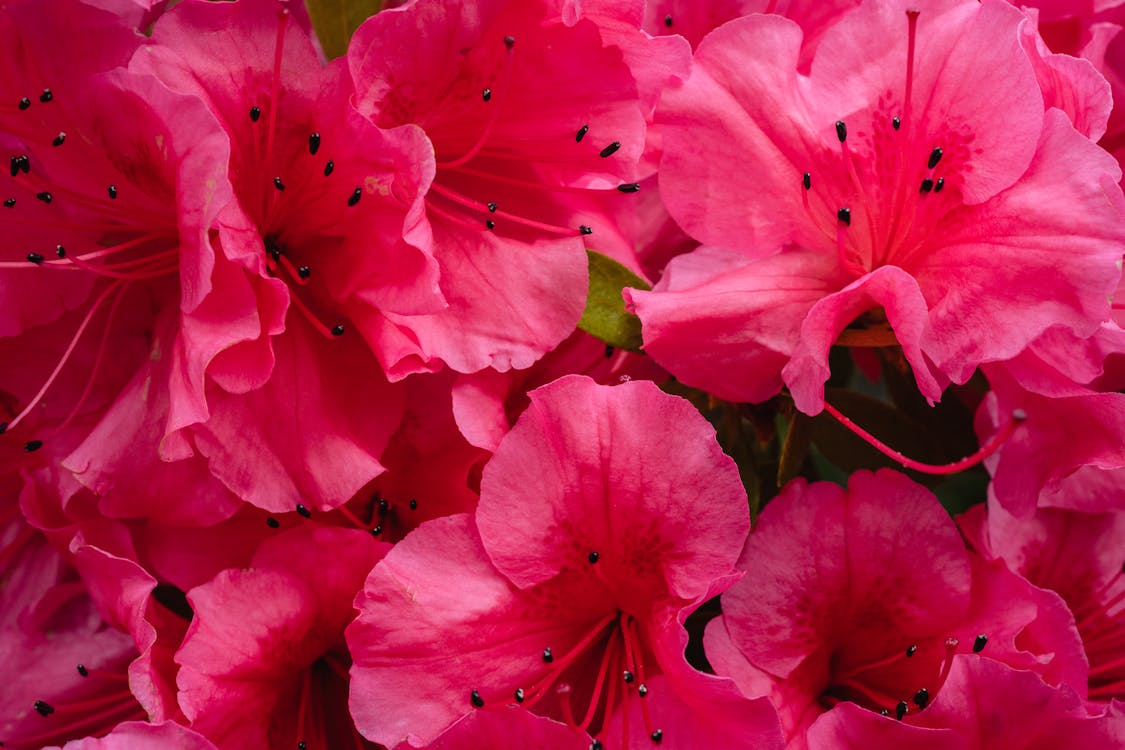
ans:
x=135 y=735
x=510 y=728
x=639 y=479
x=728 y=326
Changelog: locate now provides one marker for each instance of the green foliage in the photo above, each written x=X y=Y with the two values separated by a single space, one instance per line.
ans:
x=336 y=20
x=605 y=316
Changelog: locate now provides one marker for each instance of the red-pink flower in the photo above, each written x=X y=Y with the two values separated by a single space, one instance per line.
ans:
x=263 y=663
x=984 y=705
x=864 y=596
x=1079 y=556
x=606 y=516
x=136 y=735
x=530 y=107
x=913 y=178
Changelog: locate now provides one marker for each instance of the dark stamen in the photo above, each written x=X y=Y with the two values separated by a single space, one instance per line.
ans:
x=629 y=187
x=304 y=272
x=491 y=207
x=926 y=186
x=583 y=229
x=922 y=698
x=657 y=736
x=900 y=710
x=10 y=203
x=608 y=351
x=60 y=251
x=476 y=700
x=35 y=258
x=277 y=183
x=845 y=216
x=910 y=651
x=43 y=708
x=338 y=330
x=486 y=94
x=807 y=181
x=610 y=150
x=628 y=677
x=668 y=21
x=582 y=131
x=45 y=196
x=509 y=41
x=642 y=690
x=314 y=143
x=593 y=557
x=489 y=223
x=32 y=445
x=939 y=184
x=59 y=139
x=548 y=657
x=519 y=695
x=841 y=131
x=273 y=523
x=255 y=113
x=355 y=196
x=413 y=504
x=935 y=157
x=896 y=123
x=303 y=511
x=377 y=531
x=24 y=103
x=46 y=96
x=980 y=642
x=112 y=191
x=597 y=745
x=329 y=167
x=83 y=671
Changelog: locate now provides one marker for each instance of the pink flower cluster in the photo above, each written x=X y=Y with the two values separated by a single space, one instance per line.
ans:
x=319 y=431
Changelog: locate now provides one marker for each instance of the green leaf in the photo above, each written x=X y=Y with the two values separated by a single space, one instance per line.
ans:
x=795 y=449
x=336 y=20
x=605 y=316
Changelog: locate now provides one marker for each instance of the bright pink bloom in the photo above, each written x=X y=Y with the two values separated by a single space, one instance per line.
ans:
x=506 y=728
x=263 y=663
x=1079 y=556
x=64 y=666
x=1069 y=452
x=136 y=735
x=984 y=705
x=864 y=596
x=531 y=108
x=606 y=516
x=969 y=238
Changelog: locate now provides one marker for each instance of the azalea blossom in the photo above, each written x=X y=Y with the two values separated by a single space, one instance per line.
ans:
x=865 y=596
x=876 y=192
x=566 y=593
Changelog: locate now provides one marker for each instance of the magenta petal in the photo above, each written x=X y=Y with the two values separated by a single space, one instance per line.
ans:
x=627 y=480
x=509 y=728
x=136 y=735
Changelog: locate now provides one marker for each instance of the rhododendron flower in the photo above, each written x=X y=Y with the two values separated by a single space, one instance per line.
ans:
x=606 y=515
x=865 y=595
x=1069 y=452
x=984 y=705
x=1077 y=555
x=531 y=111
x=64 y=666
x=269 y=641
x=881 y=191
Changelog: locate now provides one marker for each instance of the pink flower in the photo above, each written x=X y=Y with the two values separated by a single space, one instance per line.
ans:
x=135 y=735
x=916 y=213
x=1077 y=555
x=984 y=705
x=263 y=663
x=64 y=665
x=1069 y=452
x=865 y=595
x=607 y=515
x=531 y=109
